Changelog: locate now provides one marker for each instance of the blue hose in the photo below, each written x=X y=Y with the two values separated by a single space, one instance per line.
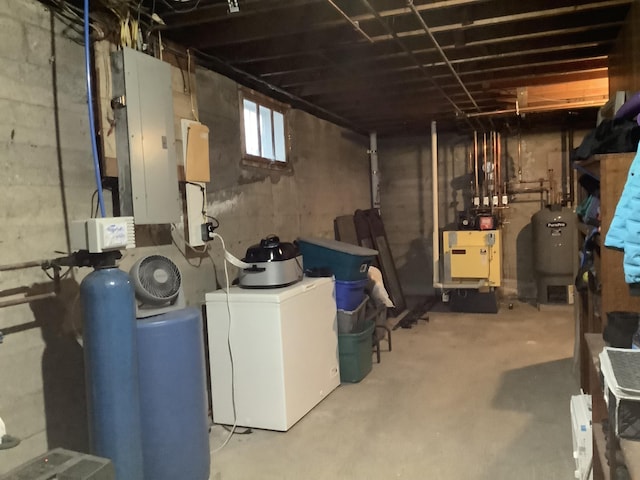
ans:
x=92 y=127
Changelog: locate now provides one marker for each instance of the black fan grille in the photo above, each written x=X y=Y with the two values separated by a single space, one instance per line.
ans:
x=159 y=276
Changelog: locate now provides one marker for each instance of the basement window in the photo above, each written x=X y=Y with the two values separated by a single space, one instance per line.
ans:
x=264 y=130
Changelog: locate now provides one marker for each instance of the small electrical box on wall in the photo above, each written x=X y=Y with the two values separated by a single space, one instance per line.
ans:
x=145 y=138
x=195 y=153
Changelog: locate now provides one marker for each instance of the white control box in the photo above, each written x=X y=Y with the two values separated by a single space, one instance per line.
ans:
x=97 y=235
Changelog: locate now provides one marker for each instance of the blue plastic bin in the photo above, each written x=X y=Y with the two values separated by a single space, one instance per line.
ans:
x=347 y=262
x=349 y=294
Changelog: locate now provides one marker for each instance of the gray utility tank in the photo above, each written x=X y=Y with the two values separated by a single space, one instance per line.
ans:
x=554 y=250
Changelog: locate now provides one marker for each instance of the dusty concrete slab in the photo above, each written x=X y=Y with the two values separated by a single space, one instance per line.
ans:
x=476 y=397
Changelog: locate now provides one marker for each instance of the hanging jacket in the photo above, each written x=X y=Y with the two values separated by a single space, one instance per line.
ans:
x=624 y=232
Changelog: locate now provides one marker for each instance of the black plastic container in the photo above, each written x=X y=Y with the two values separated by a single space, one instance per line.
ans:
x=620 y=328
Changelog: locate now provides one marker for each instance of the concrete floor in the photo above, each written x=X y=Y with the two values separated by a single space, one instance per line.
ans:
x=464 y=396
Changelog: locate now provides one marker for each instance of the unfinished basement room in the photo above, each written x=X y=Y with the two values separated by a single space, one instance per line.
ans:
x=320 y=239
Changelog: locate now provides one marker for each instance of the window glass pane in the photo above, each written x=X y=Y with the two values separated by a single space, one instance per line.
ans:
x=266 y=133
x=278 y=135
x=251 y=128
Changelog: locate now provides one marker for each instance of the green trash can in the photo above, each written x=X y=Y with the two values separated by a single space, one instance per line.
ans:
x=355 y=354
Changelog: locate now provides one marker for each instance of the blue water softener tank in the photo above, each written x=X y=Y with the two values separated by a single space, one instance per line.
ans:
x=173 y=396
x=111 y=366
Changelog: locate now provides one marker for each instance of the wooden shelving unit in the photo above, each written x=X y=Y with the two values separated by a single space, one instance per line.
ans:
x=611 y=294
x=600 y=467
x=630 y=449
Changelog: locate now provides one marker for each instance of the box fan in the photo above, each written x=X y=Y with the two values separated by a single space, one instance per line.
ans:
x=158 y=286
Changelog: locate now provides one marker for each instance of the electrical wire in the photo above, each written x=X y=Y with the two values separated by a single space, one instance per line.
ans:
x=193 y=110
x=182 y=10
x=73 y=18
x=246 y=431
x=233 y=386
x=92 y=127
x=204 y=204
x=93 y=198
x=188 y=260
x=185 y=88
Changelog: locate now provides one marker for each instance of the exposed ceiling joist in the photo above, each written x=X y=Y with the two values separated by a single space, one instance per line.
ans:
x=289 y=60
x=480 y=65
x=394 y=66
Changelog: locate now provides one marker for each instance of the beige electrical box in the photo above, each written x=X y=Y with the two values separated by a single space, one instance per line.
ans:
x=473 y=256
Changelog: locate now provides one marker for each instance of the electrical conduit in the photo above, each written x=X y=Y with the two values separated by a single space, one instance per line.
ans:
x=435 y=207
x=92 y=127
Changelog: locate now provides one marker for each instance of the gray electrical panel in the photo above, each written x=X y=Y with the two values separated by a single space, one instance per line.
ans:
x=145 y=138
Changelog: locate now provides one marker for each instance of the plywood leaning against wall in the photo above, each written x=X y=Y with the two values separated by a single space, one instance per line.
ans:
x=106 y=121
x=197 y=162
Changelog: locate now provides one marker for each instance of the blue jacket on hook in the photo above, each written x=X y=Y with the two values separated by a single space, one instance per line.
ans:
x=624 y=232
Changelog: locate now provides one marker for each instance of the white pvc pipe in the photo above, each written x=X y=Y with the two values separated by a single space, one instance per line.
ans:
x=375 y=172
x=3 y=430
x=434 y=188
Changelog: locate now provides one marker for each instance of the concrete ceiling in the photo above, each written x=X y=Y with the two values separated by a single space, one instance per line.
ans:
x=393 y=66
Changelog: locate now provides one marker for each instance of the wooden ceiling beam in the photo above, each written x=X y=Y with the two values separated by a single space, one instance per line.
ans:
x=259 y=53
x=279 y=65
x=503 y=68
x=318 y=82
x=309 y=49
x=301 y=19
x=280 y=71
x=260 y=8
x=354 y=101
x=314 y=17
x=499 y=63
x=538 y=13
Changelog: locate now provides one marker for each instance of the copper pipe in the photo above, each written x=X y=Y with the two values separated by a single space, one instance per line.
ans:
x=499 y=168
x=484 y=167
x=539 y=181
x=494 y=154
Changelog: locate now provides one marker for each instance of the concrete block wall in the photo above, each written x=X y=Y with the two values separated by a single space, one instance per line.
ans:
x=406 y=202
x=47 y=181
x=329 y=178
